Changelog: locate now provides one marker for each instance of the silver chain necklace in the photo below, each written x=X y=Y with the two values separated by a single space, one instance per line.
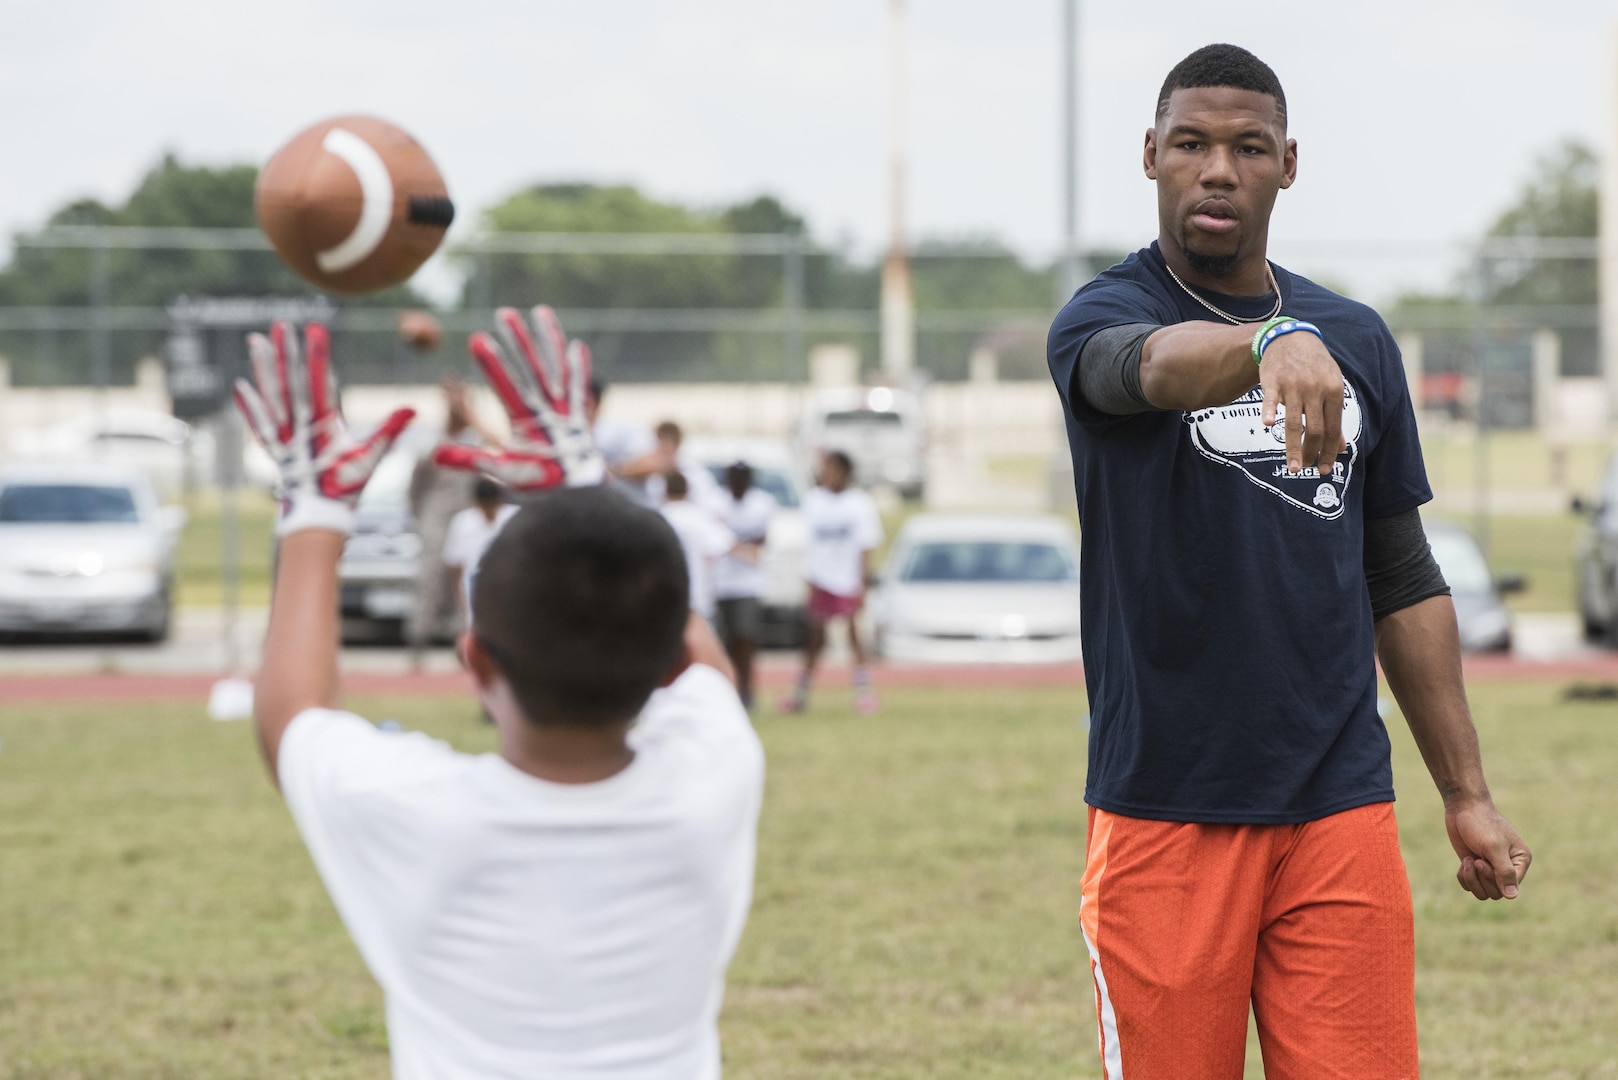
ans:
x=1227 y=316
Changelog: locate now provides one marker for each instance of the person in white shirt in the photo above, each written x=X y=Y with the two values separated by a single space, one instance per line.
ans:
x=473 y=529
x=629 y=449
x=701 y=487
x=739 y=578
x=564 y=908
x=844 y=528
x=703 y=538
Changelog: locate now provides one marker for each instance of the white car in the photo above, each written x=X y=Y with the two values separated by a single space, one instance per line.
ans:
x=979 y=588
x=175 y=456
x=781 y=472
x=881 y=428
x=85 y=548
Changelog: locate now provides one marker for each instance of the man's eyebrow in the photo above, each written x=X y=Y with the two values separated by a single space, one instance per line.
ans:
x=1185 y=130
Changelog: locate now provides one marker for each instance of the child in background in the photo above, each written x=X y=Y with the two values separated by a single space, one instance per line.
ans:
x=843 y=528
x=473 y=529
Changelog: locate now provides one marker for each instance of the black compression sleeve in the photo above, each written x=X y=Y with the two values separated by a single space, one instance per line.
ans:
x=1109 y=370
x=1399 y=565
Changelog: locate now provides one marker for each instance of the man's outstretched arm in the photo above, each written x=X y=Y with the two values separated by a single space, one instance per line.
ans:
x=299 y=667
x=1420 y=649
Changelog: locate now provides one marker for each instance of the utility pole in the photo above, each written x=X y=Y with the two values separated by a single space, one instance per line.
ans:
x=1070 y=277
x=898 y=308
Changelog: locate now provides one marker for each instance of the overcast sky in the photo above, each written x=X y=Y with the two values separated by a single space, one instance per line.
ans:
x=1417 y=119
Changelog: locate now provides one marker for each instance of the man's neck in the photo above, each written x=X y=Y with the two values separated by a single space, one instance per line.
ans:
x=1248 y=278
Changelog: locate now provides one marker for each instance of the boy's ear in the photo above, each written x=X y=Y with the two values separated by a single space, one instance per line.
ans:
x=687 y=657
x=476 y=659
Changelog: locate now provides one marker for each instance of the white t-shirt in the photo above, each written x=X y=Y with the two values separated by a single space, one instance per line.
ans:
x=749 y=519
x=842 y=526
x=703 y=539
x=700 y=485
x=521 y=928
x=470 y=534
x=620 y=442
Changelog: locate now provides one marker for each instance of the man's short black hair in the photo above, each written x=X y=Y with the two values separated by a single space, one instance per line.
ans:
x=1223 y=65
x=582 y=600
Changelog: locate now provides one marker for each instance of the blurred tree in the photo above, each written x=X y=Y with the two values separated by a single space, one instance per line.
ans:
x=171 y=194
x=1560 y=199
x=658 y=281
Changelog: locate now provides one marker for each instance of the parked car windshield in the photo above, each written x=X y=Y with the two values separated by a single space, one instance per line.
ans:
x=774 y=481
x=388 y=491
x=981 y=560
x=75 y=504
x=1460 y=561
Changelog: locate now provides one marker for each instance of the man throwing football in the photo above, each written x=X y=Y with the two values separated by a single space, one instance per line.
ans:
x=1248 y=477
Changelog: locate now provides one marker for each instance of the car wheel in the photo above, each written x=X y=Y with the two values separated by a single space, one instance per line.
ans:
x=158 y=632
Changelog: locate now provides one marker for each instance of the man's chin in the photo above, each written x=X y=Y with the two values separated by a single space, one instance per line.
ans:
x=1214 y=266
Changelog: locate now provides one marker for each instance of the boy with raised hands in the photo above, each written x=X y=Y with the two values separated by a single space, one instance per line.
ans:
x=565 y=908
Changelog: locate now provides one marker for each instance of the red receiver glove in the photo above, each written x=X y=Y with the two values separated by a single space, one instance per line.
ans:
x=295 y=414
x=540 y=377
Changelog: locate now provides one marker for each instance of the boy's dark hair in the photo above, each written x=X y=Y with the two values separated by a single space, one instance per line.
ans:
x=1223 y=65
x=582 y=600
x=670 y=431
x=842 y=461
x=675 y=484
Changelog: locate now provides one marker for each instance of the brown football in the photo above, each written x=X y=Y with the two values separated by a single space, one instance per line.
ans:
x=353 y=204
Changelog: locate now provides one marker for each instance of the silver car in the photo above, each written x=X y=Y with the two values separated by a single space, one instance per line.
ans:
x=85 y=548
x=1480 y=614
x=979 y=588
x=382 y=557
x=881 y=428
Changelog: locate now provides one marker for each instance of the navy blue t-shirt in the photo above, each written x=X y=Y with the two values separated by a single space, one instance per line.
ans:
x=1228 y=650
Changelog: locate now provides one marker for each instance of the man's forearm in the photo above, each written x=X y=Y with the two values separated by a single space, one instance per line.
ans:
x=1196 y=365
x=299 y=667
x=1420 y=649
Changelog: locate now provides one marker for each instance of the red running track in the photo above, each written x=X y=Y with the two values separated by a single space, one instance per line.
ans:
x=17 y=689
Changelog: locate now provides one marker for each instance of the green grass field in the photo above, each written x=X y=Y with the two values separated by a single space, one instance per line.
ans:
x=914 y=916
x=200 y=554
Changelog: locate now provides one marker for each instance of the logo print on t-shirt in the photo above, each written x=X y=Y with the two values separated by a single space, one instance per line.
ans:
x=1236 y=435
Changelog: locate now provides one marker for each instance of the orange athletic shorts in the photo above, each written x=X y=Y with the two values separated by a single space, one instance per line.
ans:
x=1187 y=924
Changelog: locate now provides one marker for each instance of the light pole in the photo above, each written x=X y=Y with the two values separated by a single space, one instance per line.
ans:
x=898 y=310
x=1070 y=278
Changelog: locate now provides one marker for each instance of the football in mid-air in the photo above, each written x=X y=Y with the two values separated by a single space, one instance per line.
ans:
x=353 y=204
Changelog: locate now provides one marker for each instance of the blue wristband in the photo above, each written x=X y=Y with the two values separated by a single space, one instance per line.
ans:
x=1290 y=326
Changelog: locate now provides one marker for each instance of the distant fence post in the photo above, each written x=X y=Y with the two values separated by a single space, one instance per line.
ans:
x=794 y=365
x=1410 y=348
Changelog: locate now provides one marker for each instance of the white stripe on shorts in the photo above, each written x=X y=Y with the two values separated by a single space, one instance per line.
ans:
x=1112 y=1061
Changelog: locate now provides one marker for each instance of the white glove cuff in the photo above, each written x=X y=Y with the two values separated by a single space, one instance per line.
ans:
x=315 y=512
x=588 y=472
